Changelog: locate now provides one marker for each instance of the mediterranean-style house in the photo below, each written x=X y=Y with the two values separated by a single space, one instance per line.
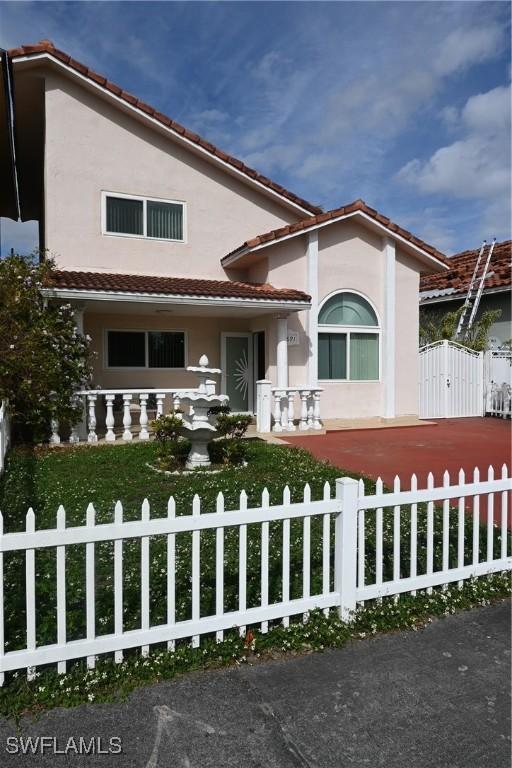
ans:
x=446 y=291
x=169 y=248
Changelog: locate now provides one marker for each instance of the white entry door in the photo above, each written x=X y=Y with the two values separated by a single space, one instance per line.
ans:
x=237 y=371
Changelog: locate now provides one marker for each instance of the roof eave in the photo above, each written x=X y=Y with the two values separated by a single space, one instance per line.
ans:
x=462 y=296
x=87 y=294
x=235 y=257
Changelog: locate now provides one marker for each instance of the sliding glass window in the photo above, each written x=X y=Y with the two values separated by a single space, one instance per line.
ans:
x=144 y=217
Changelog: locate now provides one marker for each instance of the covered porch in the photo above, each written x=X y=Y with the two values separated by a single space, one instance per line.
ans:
x=144 y=341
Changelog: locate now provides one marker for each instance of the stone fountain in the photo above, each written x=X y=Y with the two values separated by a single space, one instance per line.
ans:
x=197 y=426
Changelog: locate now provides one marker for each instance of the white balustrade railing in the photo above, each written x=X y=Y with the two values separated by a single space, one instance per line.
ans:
x=499 y=400
x=165 y=400
x=284 y=408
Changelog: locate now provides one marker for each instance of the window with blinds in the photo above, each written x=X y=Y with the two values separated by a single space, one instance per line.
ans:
x=146 y=349
x=144 y=217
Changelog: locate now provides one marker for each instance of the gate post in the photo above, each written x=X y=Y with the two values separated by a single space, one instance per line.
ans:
x=345 y=546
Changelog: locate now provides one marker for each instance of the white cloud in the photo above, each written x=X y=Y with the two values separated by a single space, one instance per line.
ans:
x=468 y=46
x=476 y=166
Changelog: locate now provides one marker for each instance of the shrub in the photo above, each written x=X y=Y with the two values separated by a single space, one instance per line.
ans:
x=232 y=449
x=172 y=447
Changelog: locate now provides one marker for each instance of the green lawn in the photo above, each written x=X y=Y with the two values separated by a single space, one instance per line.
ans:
x=75 y=477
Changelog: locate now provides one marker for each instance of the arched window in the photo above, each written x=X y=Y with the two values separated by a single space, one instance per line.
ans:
x=348 y=339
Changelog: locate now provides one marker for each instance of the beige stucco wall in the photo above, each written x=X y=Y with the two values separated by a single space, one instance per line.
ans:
x=93 y=146
x=351 y=258
x=202 y=334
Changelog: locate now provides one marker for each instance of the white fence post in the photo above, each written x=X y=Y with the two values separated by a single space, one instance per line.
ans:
x=345 y=553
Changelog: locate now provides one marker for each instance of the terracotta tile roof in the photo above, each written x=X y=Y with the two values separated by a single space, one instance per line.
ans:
x=312 y=221
x=46 y=46
x=457 y=279
x=173 y=286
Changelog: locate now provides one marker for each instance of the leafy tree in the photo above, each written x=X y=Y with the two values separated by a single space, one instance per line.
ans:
x=437 y=326
x=43 y=358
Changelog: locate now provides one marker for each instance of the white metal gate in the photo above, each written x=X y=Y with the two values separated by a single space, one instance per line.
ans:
x=451 y=381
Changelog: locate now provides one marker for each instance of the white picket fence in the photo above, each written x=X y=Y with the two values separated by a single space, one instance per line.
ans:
x=345 y=577
x=5 y=434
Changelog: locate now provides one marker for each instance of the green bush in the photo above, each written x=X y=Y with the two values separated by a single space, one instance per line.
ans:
x=232 y=449
x=173 y=449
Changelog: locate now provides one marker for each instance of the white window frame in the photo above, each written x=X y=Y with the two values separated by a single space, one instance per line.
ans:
x=146 y=366
x=347 y=330
x=144 y=200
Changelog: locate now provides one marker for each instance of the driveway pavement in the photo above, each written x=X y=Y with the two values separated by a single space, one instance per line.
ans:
x=438 y=697
x=451 y=444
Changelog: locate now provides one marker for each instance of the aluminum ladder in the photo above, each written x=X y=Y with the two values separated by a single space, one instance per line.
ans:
x=474 y=293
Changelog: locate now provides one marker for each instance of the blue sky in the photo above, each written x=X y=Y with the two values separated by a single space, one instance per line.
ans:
x=406 y=105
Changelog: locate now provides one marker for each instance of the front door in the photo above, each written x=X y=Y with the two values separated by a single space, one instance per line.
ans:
x=237 y=371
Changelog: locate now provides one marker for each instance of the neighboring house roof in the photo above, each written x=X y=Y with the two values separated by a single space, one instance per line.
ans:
x=47 y=47
x=331 y=217
x=106 y=282
x=454 y=284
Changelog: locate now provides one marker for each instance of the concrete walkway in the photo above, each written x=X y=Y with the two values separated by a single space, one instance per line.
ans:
x=436 y=698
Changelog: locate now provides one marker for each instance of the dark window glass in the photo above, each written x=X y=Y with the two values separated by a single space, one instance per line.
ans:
x=124 y=216
x=126 y=349
x=165 y=220
x=332 y=356
x=166 y=349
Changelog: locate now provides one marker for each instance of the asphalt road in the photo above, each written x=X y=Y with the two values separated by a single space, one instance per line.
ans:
x=438 y=697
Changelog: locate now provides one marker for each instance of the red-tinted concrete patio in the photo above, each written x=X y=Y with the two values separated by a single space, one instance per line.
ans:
x=449 y=444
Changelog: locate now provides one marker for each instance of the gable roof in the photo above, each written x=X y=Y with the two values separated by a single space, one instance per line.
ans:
x=331 y=217
x=46 y=47
x=455 y=283
x=107 y=282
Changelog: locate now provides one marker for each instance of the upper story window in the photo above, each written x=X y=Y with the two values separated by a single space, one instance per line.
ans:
x=143 y=217
x=348 y=339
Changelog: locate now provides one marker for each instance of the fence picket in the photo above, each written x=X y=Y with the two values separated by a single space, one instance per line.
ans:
x=361 y=544
x=430 y=530
x=446 y=526
x=219 y=567
x=326 y=547
x=196 y=569
x=144 y=576
x=242 y=562
x=171 y=571
x=90 y=587
x=490 y=518
x=396 y=535
x=30 y=589
x=460 y=526
x=118 y=581
x=379 y=535
x=264 y=559
x=61 y=588
x=286 y=555
x=2 y=631
x=476 y=520
x=504 y=509
x=306 y=549
x=414 y=533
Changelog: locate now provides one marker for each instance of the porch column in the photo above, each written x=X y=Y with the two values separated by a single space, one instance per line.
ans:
x=282 y=351
x=312 y=289
x=389 y=336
